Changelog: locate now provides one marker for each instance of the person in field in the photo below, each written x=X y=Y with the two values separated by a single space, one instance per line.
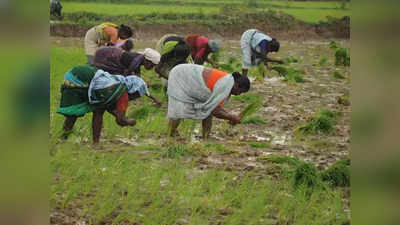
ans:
x=197 y=92
x=87 y=89
x=255 y=47
x=174 y=51
x=201 y=47
x=55 y=8
x=118 y=61
x=105 y=34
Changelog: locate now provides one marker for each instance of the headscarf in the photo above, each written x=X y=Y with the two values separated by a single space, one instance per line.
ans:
x=152 y=55
x=134 y=83
x=214 y=45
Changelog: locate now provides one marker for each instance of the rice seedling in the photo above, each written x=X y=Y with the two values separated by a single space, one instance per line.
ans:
x=322 y=122
x=255 y=120
x=291 y=59
x=259 y=144
x=143 y=112
x=282 y=159
x=338 y=75
x=306 y=174
x=176 y=151
x=333 y=45
x=250 y=109
x=344 y=100
x=342 y=57
x=216 y=147
x=281 y=70
x=323 y=61
x=338 y=174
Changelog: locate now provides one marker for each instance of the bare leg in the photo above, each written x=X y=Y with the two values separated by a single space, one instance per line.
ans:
x=173 y=126
x=206 y=127
x=244 y=72
x=68 y=125
x=97 y=123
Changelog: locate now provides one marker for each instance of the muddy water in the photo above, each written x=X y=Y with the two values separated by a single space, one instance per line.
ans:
x=285 y=107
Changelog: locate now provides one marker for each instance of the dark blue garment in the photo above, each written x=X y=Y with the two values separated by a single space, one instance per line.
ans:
x=263 y=45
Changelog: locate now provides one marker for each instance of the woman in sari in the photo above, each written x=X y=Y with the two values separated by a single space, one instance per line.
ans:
x=201 y=47
x=255 y=47
x=105 y=34
x=174 y=51
x=87 y=89
x=117 y=61
x=196 y=92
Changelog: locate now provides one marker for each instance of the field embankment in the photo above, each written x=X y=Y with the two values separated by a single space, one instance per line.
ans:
x=302 y=21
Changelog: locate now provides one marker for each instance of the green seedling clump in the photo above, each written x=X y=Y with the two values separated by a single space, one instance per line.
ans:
x=322 y=122
x=338 y=75
x=291 y=59
x=344 y=100
x=291 y=74
x=261 y=70
x=282 y=159
x=338 y=174
x=259 y=144
x=342 y=57
x=333 y=45
x=176 y=151
x=216 y=147
x=281 y=70
x=255 y=120
x=307 y=175
x=323 y=60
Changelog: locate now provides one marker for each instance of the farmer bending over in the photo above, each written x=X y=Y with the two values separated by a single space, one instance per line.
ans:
x=117 y=61
x=255 y=47
x=196 y=92
x=201 y=47
x=105 y=34
x=87 y=89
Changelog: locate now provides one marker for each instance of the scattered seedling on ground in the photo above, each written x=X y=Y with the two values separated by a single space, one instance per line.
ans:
x=259 y=144
x=338 y=75
x=342 y=57
x=344 y=100
x=307 y=175
x=291 y=59
x=323 y=61
x=176 y=151
x=282 y=159
x=338 y=174
x=255 y=120
x=322 y=122
x=333 y=45
x=290 y=74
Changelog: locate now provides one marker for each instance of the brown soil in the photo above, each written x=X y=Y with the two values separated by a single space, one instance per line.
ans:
x=339 y=29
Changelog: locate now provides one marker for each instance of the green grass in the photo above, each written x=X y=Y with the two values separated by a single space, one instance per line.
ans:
x=124 y=189
x=338 y=75
x=133 y=9
x=338 y=174
x=311 y=12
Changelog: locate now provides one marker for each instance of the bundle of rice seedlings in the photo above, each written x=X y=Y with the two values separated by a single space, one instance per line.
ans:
x=251 y=108
x=342 y=57
x=338 y=174
x=322 y=122
x=281 y=70
x=291 y=59
x=255 y=120
x=307 y=175
x=333 y=45
x=338 y=75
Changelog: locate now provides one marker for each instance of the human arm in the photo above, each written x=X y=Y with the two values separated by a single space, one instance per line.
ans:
x=156 y=102
x=160 y=71
x=221 y=113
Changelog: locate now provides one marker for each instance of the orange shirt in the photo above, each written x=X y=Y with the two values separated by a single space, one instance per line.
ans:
x=112 y=33
x=214 y=77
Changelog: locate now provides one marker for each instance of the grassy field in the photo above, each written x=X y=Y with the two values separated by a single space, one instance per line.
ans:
x=245 y=175
x=311 y=12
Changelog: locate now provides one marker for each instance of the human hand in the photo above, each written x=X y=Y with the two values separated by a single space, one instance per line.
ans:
x=235 y=120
